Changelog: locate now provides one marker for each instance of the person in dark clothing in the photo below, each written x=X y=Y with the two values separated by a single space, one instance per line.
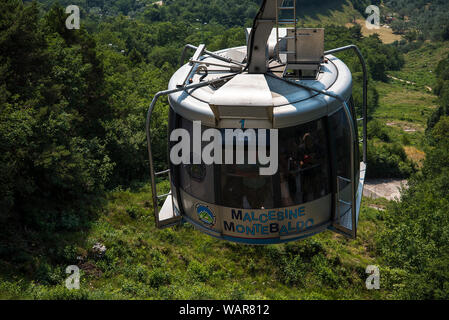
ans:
x=309 y=161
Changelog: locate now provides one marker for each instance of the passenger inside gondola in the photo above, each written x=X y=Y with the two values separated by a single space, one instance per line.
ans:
x=309 y=154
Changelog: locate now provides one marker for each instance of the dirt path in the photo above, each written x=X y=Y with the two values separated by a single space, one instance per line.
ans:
x=408 y=82
x=384 y=188
x=405 y=126
x=402 y=80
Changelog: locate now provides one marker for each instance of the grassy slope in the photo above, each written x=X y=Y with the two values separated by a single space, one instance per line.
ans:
x=421 y=64
x=339 y=12
x=182 y=263
x=405 y=107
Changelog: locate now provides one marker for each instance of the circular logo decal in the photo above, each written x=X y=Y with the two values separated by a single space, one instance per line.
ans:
x=205 y=215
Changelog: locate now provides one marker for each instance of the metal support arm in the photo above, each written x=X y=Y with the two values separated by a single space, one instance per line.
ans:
x=260 y=32
x=213 y=55
x=365 y=94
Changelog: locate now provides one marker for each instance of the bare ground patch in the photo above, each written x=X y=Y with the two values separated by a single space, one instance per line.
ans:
x=406 y=126
x=384 y=188
x=385 y=32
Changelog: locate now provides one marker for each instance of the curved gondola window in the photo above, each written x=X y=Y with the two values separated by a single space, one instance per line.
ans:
x=303 y=174
x=198 y=180
x=340 y=133
x=303 y=163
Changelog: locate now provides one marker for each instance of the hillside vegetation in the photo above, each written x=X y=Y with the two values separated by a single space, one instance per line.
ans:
x=419 y=19
x=74 y=169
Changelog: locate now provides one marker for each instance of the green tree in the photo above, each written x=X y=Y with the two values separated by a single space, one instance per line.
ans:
x=52 y=154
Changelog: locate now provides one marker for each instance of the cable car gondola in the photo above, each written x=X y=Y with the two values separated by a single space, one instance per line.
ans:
x=281 y=80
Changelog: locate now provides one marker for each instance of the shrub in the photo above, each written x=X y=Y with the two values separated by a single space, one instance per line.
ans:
x=157 y=258
x=377 y=129
x=237 y=293
x=388 y=161
x=198 y=271
x=324 y=271
x=49 y=275
x=59 y=293
x=292 y=271
x=158 y=277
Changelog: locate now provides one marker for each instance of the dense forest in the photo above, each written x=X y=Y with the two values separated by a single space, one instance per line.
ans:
x=421 y=19
x=72 y=110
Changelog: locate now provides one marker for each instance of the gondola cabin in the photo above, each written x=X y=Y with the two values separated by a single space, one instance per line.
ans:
x=289 y=102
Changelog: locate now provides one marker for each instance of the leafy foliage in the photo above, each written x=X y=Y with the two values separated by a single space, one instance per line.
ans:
x=426 y=19
x=388 y=160
x=416 y=237
x=442 y=90
x=417 y=234
x=52 y=153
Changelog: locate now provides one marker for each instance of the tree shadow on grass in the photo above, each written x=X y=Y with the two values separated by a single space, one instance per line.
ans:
x=39 y=250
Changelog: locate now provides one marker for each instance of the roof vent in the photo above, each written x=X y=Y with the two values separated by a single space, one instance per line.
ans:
x=304 y=53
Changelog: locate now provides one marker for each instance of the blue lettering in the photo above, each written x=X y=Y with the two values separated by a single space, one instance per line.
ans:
x=237 y=216
x=251 y=231
x=293 y=214
x=309 y=223
x=253 y=218
x=290 y=228
x=280 y=216
x=284 y=230
x=265 y=230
